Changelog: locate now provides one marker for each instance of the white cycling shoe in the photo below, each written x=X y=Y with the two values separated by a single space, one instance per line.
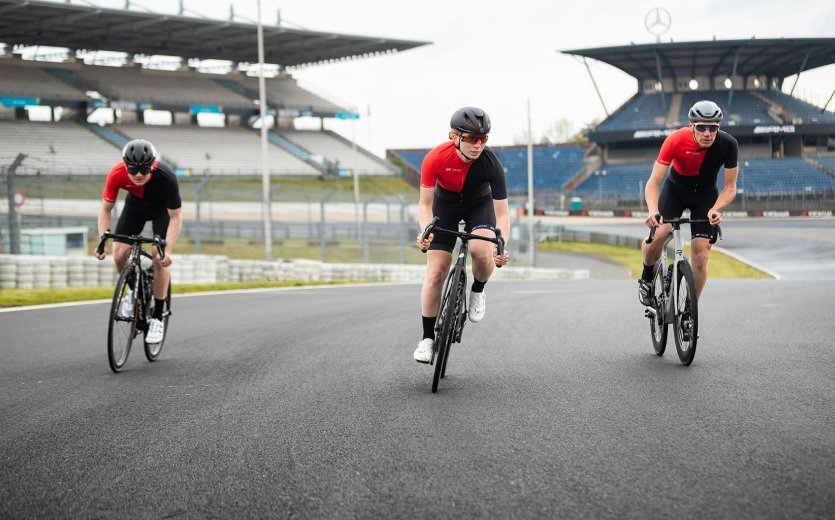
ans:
x=126 y=306
x=478 y=306
x=423 y=352
x=156 y=331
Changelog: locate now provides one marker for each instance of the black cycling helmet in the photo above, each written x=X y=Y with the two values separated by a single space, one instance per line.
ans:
x=705 y=111
x=471 y=120
x=139 y=152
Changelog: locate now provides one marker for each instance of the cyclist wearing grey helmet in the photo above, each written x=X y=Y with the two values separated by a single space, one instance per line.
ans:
x=461 y=179
x=153 y=194
x=693 y=155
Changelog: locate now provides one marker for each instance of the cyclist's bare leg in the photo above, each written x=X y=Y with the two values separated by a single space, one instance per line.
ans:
x=437 y=267
x=482 y=255
x=699 y=254
x=652 y=252
x=120 y=255
x=161 y=277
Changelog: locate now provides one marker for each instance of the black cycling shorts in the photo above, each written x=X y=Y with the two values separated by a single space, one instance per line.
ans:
x=134 y=216
x=674 y=199
x=476 y=211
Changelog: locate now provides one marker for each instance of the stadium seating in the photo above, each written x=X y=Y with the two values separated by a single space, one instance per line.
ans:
x=217 y=151
x=336 y=149
x=643 y=112
x=29 y=81
x=155 y=86
x=56 y=148
x=624 y=180
x=283 y=92
x=806 y=112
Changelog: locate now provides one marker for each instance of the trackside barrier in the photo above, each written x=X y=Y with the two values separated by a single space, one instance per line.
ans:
x=30 y=272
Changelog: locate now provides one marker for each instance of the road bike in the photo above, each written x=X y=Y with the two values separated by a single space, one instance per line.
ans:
x=452 y=313
x=122 y=330
x=674 y=295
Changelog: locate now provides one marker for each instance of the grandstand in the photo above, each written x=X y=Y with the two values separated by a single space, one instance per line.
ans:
x=94 y=109
x=786 y=150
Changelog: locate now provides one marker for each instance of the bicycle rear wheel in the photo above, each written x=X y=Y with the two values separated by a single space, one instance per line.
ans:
x=121 y=330
x=152 y=350
x=686 y=323
x=446 y=314
x=657 y=323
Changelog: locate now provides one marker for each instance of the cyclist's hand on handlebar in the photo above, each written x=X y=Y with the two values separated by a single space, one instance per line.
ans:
x=500 y=261
x=423 y=246
x=715 y=217
x=100 y=256
x=167 y=261
x=654 y=219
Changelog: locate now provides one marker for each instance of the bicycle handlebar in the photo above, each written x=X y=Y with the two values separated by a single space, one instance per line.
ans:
x=133 y=239
x=499 y=241
x=676 y=222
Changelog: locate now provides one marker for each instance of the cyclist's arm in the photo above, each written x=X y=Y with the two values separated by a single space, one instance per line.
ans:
x=653 y=188
x=726 y=196
x=502 y=218
x=104 y=221
x=174 y=225
x=427 y=196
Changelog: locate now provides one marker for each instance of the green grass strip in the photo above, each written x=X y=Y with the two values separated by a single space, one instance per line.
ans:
x=720 y=265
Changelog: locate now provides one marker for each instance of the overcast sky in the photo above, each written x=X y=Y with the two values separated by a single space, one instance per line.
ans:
x=496 y=54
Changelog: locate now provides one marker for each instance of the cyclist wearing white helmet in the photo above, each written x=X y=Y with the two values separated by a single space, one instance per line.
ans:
x=153 y=194
x=461 y=179
x=693 y=155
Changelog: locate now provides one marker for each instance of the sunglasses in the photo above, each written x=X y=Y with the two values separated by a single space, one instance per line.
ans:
x=139 y=170
x=473 y=138
x=713 y=128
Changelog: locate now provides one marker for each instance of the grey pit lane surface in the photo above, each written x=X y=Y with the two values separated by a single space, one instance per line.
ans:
x=308 y=404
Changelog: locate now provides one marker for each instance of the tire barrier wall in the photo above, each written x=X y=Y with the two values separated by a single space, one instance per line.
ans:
x=35 y=272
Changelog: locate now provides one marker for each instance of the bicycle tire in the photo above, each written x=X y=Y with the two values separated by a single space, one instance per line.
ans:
x=458 y=323
x=121 y=331
x=447 y=315
x=657 y=324
x=153 y=350
x=686 y=322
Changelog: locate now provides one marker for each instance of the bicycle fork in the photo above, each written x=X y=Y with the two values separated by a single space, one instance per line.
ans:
x=670 y=308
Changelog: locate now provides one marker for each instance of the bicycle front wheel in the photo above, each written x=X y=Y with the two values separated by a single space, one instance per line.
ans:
x=446 y=314
x=459 y=317
x=152 y=350
x=657 y=323
x=122 y=329
x=686 y=323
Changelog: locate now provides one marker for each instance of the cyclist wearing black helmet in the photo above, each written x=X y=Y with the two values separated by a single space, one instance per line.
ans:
x=461 y=179
x=693 y=155
x=153 y=195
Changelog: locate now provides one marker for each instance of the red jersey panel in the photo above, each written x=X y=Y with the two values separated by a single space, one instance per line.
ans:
x=118 y=179
x=682 y=150
x=444 y=166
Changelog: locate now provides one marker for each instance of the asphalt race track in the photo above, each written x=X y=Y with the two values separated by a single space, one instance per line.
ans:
x=307 y=404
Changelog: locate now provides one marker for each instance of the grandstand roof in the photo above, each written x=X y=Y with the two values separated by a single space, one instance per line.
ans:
x=777 y=57
x=96 y=28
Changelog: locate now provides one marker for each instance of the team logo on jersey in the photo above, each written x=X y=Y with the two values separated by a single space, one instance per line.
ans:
x=459 y=170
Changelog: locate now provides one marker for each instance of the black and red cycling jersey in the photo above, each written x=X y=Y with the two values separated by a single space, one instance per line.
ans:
x=162 y=191
x=693 y=167
x=444 y=167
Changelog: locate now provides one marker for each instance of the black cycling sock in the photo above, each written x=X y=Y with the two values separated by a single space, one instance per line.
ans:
x=478 y=286
x=429 y=327
x=158 y=306
x=647 y=274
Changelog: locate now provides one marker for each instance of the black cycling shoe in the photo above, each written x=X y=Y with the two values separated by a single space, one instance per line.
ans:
x=645 y=295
